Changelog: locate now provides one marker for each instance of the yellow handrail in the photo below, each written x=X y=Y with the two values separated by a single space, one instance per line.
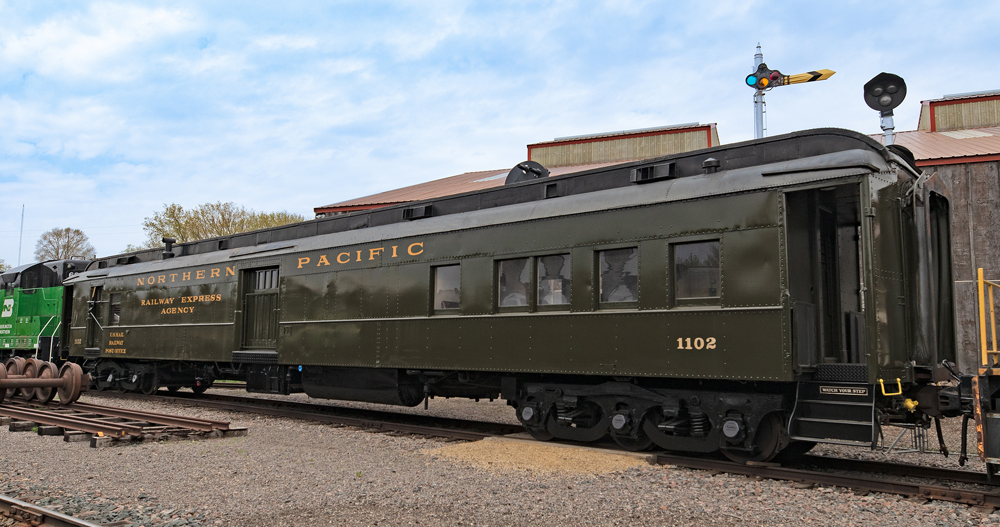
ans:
x=981 y=292
x=899 y=384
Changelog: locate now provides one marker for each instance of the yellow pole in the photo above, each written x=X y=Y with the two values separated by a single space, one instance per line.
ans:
x=982 y=318
x=993 y=323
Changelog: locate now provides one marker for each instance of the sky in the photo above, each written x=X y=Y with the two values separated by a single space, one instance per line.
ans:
x=109 y=110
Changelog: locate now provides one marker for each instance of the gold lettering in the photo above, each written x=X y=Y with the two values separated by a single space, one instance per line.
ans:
x=359 y=256
x=348 y=255
x=375 y=252
x=140 y=281
x=322 y=260
x=151 y=280
x=412 y=245
x=199 y=274
x=394 y=250
x=162 y=279
x=173 y=276
x=214 y=273
x=231 y=271
x=186 y=276
x=302 y=261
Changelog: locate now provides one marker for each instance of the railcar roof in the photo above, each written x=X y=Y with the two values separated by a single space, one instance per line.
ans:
x=788 y=159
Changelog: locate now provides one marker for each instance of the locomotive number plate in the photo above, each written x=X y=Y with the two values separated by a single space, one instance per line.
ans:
x=841 y=390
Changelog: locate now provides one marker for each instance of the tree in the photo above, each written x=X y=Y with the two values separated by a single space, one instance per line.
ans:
x=60 y=244
x=3 y=265
x=208 y=220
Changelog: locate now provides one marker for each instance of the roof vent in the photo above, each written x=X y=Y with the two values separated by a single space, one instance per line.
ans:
x=711 y=165
x=415 y=213
x=653 y=173
x=168 y=247
x=526 y=171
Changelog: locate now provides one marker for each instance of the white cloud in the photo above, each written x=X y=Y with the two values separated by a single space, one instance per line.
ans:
x=101 y=43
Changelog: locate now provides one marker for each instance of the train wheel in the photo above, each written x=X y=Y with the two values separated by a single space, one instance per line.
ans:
x=72 y=373
x=585 y=423
x=15 y=366
x=47 y=371
x=30 y=371
x=796 y=449
x=149 y=384
x=767 y=439
x=640 y=443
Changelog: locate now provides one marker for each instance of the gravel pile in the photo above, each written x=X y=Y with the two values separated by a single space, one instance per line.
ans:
x=288 y=472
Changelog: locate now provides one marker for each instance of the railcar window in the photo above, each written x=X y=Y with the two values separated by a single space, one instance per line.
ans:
x=267 y=279
x=696 y=270
x=619 y=275
x=116 y=309
x=553 y=280
x=447 y=287
x=513 y=282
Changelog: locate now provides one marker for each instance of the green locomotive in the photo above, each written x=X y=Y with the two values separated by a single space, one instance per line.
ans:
x=31 y=308
x=753 y=298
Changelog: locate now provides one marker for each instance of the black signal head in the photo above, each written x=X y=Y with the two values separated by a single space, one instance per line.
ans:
x=885 y=92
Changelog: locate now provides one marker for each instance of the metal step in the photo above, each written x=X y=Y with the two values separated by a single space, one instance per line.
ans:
x=831 y=421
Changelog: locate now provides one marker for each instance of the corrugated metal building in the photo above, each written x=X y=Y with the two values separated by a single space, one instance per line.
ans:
x=959 y=138
x=561 y=156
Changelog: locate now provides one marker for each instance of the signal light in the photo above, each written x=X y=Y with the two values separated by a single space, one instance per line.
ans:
x=764 y=78
x=885 y=92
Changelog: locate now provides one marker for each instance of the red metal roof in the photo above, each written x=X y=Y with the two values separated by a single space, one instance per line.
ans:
x=448 y=186
x=956 y=146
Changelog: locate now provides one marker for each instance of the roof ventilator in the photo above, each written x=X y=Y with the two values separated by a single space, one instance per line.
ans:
x=653 y=173
x=168 y=247
x=526 y=171
x=415 y=213
x=711 y=165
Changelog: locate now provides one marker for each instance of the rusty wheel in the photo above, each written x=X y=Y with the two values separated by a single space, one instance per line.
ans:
x=3 y=375
x=30 y=371
x=70 y=391
x=47 y=371
x=15 y=365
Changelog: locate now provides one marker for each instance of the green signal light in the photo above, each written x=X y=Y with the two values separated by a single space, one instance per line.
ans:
x=751 y=80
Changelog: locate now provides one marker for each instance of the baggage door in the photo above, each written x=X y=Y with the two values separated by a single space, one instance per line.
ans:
x=260 y=309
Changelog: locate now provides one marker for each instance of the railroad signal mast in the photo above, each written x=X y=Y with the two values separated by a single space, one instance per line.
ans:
x=764 y=78
x=883 y=94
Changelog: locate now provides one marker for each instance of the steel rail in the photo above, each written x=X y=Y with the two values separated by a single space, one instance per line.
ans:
x=35 y=515
x=931 y=492
x=896 y=469
x=194 y=423
x=93 y=426
x=765 y=470
x=308 y=411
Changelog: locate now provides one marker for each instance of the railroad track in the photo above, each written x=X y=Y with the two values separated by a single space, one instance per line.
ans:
x=34 y=515
x=932 y=483
x=105 y=425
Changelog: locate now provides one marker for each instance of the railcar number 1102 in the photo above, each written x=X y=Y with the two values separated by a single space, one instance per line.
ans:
x=699 y=343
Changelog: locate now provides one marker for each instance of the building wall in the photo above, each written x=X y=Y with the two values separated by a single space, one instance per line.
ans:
x=624 y=148
x=964 y=115
x=975 y=235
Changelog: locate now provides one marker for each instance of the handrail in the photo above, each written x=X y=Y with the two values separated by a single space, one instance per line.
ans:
x=984 y=289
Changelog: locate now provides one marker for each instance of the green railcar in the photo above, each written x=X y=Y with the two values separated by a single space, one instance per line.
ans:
x=31 y=308
x=752 y=298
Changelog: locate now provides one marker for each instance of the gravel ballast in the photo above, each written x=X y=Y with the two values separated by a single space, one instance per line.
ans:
x=288 y=472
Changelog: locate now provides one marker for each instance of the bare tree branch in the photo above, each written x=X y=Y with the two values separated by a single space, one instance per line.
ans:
x=60 y=244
